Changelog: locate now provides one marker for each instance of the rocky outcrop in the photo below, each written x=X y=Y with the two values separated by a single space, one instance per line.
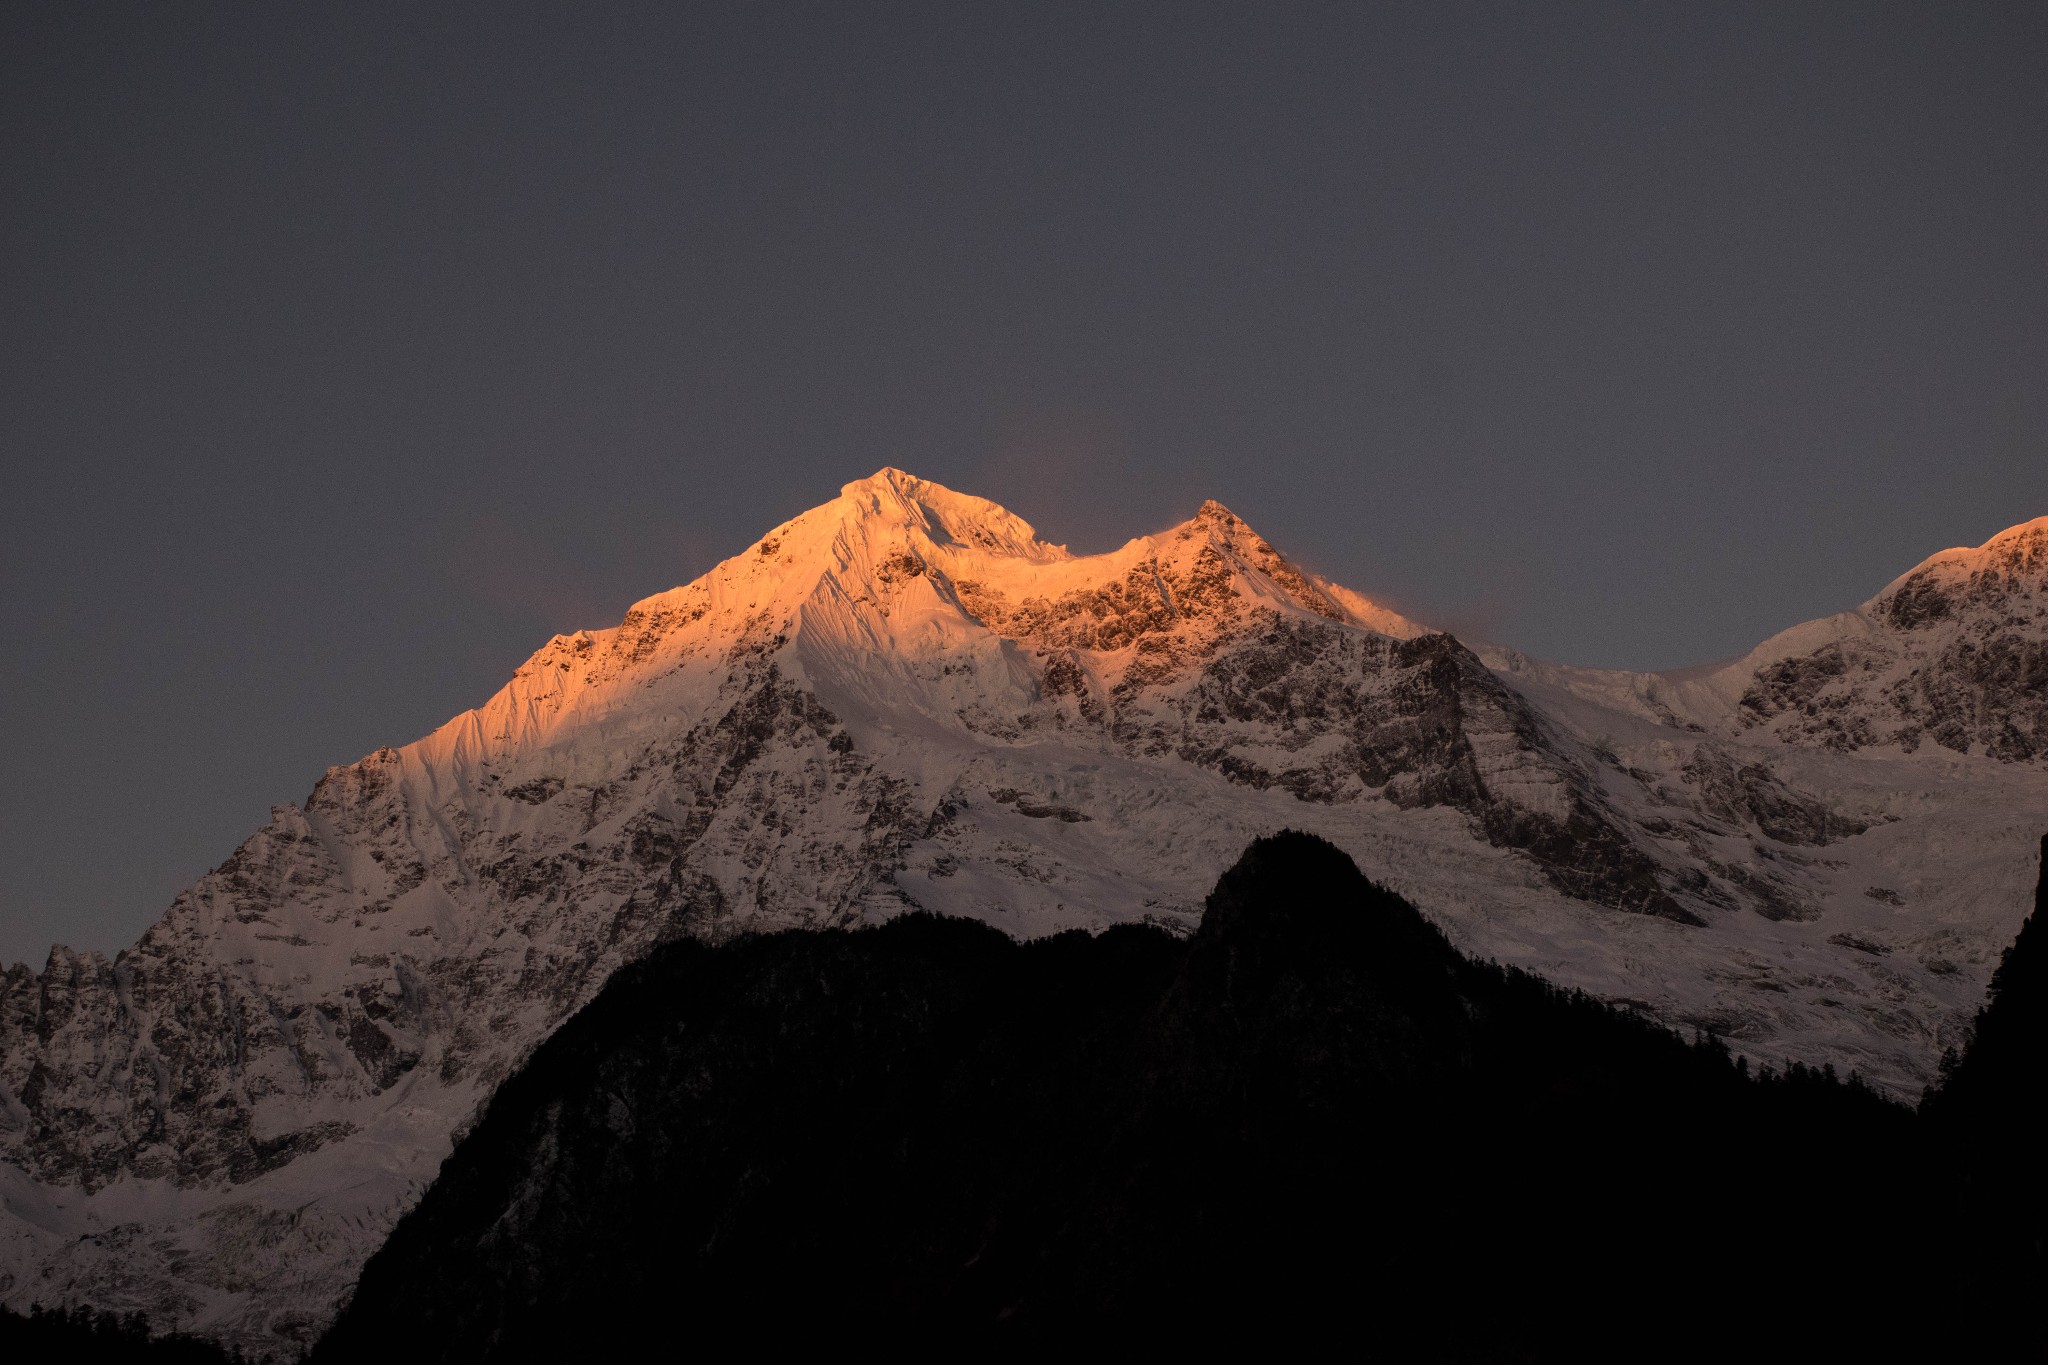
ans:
x=1749 y=795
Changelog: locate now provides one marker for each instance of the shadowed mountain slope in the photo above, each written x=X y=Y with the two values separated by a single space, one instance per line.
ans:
x=1312 y=1115
x=1987 y=1120
x=80 y=1336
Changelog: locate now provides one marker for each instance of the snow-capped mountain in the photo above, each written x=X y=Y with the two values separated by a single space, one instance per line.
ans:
x=905 y=698
x=1954 y=654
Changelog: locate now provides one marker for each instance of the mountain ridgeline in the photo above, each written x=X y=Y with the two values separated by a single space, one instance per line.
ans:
x=1311 y=1115
x=906 y=701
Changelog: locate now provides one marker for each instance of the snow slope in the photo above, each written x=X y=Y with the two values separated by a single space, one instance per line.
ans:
x=904 y=697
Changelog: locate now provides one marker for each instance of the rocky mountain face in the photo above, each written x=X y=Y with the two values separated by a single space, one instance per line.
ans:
x=905 y=698
x=1953 y=654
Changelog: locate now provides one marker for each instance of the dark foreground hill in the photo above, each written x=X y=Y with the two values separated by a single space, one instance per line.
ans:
x=81 y=1336
x=1313 y=1117
x=1987 y=1140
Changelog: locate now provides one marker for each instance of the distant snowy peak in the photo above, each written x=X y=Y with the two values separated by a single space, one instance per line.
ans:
x=1953 y=653
x=2011 y=565
x=900 y=567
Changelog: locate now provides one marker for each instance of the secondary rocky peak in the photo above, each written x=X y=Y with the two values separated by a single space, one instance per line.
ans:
x=1220 y=531
x=1953 y=652
x=2026 y=542
x=2034 y=533
x=2003 y=576
x=2015 y=558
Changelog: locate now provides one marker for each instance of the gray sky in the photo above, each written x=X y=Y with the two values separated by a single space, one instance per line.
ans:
x=350 y=352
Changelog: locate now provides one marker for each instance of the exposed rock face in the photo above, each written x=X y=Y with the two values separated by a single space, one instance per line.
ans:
x=1751 y=795
x=1282 y=688
x=1333 y=715
x=382 y=953
x=905 y=698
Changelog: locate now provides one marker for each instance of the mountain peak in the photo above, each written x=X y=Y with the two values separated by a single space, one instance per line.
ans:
x=902 y=697
x=1943 y=654
x=2025 y=544
x=2020 y=550
x=948 y=519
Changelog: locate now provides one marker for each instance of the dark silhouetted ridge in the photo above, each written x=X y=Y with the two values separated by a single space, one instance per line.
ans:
x=1995 y=1085
x=1988 y=1134
x=1313 y=1119
x=82 y=1336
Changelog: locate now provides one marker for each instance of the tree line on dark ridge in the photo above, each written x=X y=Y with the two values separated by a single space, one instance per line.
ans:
x=1313 y=1122
x=1985 y=1124
x=84 y=1336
